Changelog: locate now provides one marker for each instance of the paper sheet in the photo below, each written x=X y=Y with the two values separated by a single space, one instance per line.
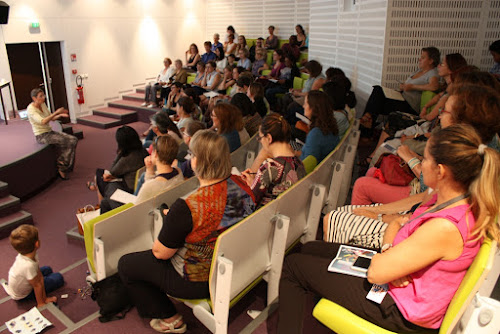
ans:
x=392 y=94
x=30 y=322
x=211 y=94
x=123 y=197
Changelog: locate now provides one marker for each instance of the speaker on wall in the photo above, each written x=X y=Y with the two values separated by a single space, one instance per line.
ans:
x=4 y=13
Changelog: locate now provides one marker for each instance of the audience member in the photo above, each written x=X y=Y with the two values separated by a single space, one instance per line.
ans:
x=244 y=61
x=323 y=134
x=442 y=238
x=161 y=124
x=230 y=46
x=302 y=39
x=27 y=280
x=212 y=78
x=251 y=118
x=208 y=55
x=282 y=169
x=221 y=60
x=272 y=41
x=242 y=44
x=173 y=97
x=180 y=259
x=256 y=94
x=230 y=31
x=216 y=44
x=180 y=75
x=258 y=64
x=160 y=175
x=426 y=78
x=291 y=48
x=185 y=107
x=278 y=64
x=259 y=44
x=228 y=121
x=162 y=80
x=198 y=80
x=337 y=92
x=227 y=80
x=40 y=117
x=192 y=57
x=187 y=135
x=495 y=53
x=231 y=59
x=335 y=74
x=284 y=82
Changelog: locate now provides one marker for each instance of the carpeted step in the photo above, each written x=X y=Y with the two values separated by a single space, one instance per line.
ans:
x=141 y=90
x=67 y=128
x=78 y=134
x=98 y=121
x=10 y=222
x=9 y=204
x=4 y=189
x=134 y=97
x=124 y=115
x=143 y=113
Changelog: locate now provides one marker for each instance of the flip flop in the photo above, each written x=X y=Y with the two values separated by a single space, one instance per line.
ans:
x=91 y=186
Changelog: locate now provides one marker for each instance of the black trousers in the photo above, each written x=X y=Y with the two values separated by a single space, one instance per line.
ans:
x=148 y=280
x=378 y=104
x=306 y=272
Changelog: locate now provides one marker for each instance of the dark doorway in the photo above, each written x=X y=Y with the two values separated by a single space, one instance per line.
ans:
x=28 y=64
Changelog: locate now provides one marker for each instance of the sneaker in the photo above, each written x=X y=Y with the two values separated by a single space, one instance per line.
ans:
x=144 y=104
x=151 y=105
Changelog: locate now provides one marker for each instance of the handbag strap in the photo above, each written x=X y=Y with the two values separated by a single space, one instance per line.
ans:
x=441 y=206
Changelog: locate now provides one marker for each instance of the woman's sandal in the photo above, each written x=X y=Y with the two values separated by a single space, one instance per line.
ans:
x=168 y=327
x=91 y=185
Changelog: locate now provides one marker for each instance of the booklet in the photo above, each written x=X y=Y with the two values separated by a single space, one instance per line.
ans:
x=211 y=94
x=392 y=94
x=30 y=322
x=123 y=197
x=346 y=257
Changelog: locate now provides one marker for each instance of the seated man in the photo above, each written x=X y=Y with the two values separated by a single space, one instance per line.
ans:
x=208 y=55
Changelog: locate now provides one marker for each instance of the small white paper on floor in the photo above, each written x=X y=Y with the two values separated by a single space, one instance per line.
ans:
x=30 y=322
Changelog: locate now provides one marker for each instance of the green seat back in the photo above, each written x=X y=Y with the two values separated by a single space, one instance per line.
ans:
x=282 y=42
x=88 y=231
x=304 y=76
x=266 y=72
x=251 y=42
x=269 y=59
x=427 y=95
x=310 y=162
x=303 y=56
x=298 y=83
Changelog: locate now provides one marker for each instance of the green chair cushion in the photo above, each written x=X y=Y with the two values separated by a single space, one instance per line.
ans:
x=190 y=79
x=427 y=95
x=310 y=162
x=298 y=83
x=266 y=72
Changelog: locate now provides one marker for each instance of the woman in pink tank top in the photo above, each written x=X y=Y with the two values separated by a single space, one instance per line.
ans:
x=425 y=258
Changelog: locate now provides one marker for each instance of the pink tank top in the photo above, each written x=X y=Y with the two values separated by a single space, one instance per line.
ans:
x=424 y=301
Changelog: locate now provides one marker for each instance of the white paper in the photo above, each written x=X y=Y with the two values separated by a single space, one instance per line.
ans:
x=30 y=322
x=123 y=197
x=235 y=171
x=211 y=94
x=377 y=293
x=392 y=94
x=303 y=118
x=273 y=80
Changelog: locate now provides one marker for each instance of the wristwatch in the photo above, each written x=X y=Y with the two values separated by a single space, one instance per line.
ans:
x=385 y=247
x=380 y=217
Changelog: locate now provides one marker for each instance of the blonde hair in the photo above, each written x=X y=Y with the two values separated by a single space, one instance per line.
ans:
x=213 y=160
x=24 y=238
x=476 y=169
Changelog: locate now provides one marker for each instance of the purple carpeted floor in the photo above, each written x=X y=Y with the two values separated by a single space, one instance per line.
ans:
x=53 y=211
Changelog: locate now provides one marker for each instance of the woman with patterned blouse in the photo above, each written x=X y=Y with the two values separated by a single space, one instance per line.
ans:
x=282 y=169
x=180 y=259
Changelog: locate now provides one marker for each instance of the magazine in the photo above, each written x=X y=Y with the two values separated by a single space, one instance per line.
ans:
x=346 y=256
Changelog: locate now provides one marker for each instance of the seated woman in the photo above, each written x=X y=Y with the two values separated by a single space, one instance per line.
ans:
x=293 y=102
x=40 y=117
x=192 y=57
x=337 y=92
x=179 y=262
x=200 y=74
x=160 y=175
x=259 y=44
x=291 y=48
x=212 y=78
x=452 y=64
x=162 y=80
x=442 y=238
x=187 y=135
x=426 y=78
x=185 y=107
x=230 y=46
x=335 y=74
x=272 y=41
x=227 y=80
x=173 y=97
x=282 y=169
x=244 y=61
x=221 y=60
x=278 y=65
x=284 y=83
x=228 y=122
x=256 y=94
x=242 y=44
x=302 y=40
x=323 y=134
x=130 y=157
x=258 y=64
x=180 y=75
x=478 y=106
x=251 y=117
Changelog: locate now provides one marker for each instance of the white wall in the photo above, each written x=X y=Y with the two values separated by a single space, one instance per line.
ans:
x=351 y=38
x=252 y=17
x=119 y=44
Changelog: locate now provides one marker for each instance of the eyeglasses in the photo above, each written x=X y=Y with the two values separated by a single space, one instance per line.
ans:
x=184 y=133
x=190 y=153
x=443 y=111
x=259 y=138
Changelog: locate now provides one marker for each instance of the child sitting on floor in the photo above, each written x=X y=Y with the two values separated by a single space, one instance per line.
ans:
x=26 y=279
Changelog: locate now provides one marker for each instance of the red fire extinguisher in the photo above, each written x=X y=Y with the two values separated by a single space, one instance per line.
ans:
x=79 y=89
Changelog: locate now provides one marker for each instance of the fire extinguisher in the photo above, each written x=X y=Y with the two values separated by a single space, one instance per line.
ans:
x=79 y=89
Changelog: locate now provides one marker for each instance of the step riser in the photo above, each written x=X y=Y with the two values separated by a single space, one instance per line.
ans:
x=140 y=90
x=8 y=226
x=123 y=106
x=124 y=119
x=4 y=189
x=98 y=125
x=10 y=208
x=132 y=98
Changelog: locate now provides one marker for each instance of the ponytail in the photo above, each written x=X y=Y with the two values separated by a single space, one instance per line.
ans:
x=279 y=129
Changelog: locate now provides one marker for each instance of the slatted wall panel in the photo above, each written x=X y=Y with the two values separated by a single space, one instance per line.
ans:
x=252 y=17
x=352 y=40
x=467 y=27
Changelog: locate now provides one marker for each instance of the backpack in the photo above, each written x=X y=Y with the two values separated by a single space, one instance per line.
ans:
x=112 y=297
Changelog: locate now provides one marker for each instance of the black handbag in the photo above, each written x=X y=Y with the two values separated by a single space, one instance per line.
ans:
x=112 y=297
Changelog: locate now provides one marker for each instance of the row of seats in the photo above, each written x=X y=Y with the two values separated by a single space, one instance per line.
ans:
x=246 y=253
